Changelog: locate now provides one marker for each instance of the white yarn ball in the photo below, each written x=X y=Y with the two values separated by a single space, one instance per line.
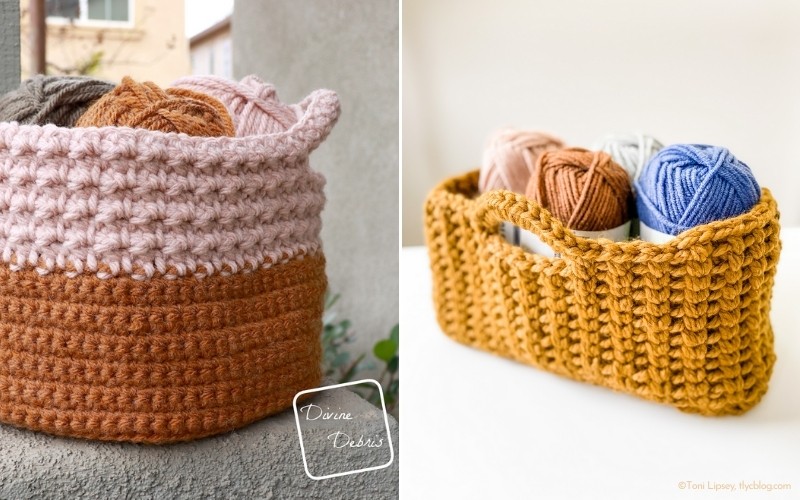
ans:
x=631 y=151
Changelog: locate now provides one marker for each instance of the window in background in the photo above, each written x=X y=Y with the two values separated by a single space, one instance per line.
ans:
x=69 y=9
x=115 y=12
x=108 y=10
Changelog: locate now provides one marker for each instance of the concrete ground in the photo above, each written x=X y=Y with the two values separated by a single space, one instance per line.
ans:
x=262 y=460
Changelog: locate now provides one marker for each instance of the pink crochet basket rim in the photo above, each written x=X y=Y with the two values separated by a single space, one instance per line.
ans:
x=123 y=201
x=321 y=111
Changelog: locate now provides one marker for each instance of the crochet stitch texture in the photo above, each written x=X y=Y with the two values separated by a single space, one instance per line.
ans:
x=158 y=287
x=684 y=323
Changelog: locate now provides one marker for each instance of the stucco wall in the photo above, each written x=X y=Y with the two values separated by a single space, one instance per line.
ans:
x=154 y=49
x=350 y=46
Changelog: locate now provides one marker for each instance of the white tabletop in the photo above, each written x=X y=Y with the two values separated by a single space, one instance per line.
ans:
x=475 y=425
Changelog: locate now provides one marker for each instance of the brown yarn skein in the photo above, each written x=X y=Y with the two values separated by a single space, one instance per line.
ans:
x=146 y=105
x=584 y=189
x=510 y=157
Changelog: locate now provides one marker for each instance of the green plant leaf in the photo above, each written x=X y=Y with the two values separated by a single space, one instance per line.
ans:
x=385 y=349
x=393 y=364
x=330 y=299
x=328 y=317
x=92 y=64
x=394 y=335
x=348 y=375
x=340 y=359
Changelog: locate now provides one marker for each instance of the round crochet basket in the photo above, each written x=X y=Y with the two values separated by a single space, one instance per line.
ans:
x=684 y=323
x=157 y=287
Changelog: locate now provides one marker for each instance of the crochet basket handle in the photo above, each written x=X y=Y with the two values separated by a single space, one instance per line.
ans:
x=320 y=113
x=494 y=207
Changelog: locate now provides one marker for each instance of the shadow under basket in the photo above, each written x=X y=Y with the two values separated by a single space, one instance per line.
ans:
x=684 y=323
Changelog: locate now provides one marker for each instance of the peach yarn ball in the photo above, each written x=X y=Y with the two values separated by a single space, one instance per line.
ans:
x=510 y=157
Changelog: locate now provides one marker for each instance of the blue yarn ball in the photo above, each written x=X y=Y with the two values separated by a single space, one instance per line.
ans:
x=685 y=185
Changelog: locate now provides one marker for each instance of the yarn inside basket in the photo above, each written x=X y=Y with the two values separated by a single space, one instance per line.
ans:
x=510 y=158
x=586 y=190
x=146 y=105
x=253 y=104
x=60 y=100
x=630 y=151
x=685 y=185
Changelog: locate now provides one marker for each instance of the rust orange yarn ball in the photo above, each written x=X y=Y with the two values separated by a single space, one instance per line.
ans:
x=146 y=105
x=586 y=190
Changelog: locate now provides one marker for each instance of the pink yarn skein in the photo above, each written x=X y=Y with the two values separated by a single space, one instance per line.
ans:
x=510 y=158
x=253 y=104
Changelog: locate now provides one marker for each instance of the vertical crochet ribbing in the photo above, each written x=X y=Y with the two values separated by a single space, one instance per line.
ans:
x=684 y=323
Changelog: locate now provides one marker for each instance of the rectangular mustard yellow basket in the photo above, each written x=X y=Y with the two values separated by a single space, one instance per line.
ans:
x=684 y=323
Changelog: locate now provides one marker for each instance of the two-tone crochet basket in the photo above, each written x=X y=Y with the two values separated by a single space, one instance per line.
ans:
x=684 y=323
x=157 y=287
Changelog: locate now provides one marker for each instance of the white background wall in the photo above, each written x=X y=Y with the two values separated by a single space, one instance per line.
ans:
x=718 y=72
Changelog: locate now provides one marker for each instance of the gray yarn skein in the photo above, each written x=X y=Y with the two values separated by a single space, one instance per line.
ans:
x=60 y=100
x=631 y=151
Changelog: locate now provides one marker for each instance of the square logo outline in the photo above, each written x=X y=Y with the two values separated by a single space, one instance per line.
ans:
x=337 y=386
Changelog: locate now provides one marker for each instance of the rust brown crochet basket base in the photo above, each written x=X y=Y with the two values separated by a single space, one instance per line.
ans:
x=159 y=360
x=684 y=323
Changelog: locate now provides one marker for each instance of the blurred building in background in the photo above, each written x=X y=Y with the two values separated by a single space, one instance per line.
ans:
x=112 y=38
x=211 y=51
